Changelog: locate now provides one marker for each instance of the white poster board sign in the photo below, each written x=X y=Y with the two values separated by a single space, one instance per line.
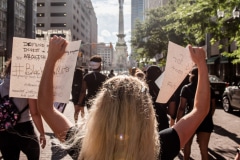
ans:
x=28 y=60
x=159 y=80
x=179 y=64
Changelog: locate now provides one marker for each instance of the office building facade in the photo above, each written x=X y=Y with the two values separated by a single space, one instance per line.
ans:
x=78 y=16
x=152 y=4
x=17 y=19
x=106 y=51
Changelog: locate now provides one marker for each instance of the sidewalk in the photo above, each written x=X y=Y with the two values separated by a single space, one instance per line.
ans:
x=51 y=151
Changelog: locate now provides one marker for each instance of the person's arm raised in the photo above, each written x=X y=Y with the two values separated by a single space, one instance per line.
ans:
x=56 y=120
x=188 y=124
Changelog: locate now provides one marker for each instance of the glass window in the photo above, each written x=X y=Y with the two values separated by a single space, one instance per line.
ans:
x=40 y=24
x=40 y=4
x=40 y=15
x=58 y=14
x=58 y=4
x=58 y=25
x=62 y=35
x=40 y=35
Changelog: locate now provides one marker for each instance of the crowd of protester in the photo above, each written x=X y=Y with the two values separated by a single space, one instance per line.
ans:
x=124 y=121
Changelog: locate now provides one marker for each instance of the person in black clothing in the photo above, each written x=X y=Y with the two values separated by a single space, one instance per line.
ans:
x=76 y=89
x=172 y=110
x=152 y=73
x=121 y=123
x=92 y=82
x=85 y=71
x=203 y=132
x=111 y=74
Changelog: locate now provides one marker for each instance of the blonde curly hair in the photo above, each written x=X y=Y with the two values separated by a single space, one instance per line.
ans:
x=121 y=123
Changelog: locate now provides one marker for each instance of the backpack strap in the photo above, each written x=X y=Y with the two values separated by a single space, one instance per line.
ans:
x=24 y=109
x=11 y=99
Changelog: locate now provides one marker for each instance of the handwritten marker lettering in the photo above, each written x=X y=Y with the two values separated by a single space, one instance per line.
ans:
x=178 y=60
x=34 y=57
x=177 y=70
x=61 y=70
x=28 y=60
x=31 y=70
x=32 y=44
x=17 y=69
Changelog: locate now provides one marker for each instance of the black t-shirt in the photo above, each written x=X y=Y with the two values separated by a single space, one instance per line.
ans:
x=94 y=82
x=169 y=141
x=170 y=144
x=76 y=85
x=188 y=92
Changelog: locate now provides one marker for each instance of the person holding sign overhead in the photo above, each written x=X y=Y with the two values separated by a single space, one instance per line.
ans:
x=121 y=123
x=22 y=136
x=205 y=129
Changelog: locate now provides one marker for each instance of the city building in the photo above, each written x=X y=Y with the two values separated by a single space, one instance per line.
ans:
x=3 y=30
x=106 y=51
x=17 y=19
x=152 y=4
x=137 y=14
x=76 y=16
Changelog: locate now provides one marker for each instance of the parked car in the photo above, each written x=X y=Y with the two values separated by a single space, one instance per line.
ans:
x=231 y=98
x=218 y=86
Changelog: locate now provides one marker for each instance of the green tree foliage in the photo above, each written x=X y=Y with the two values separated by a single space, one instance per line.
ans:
x=185 y=22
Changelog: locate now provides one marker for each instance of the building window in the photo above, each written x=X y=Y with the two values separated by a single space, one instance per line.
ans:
x=58 y=25
x=40 y=35
x=62 y=35
x=58 y=14
x=40 y=4
x=58 y=4
x=40 y=24
x=40 y=15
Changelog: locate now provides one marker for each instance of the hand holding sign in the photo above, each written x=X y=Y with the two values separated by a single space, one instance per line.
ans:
x=57 y=41
x=179 y=63
x=28 y=60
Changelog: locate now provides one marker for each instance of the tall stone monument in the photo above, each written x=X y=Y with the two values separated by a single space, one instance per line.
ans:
x=121 y=47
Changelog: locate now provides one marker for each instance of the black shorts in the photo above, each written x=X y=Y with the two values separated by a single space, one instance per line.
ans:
x=206 y=125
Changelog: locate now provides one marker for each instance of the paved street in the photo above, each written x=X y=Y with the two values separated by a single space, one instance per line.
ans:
x=222 y=145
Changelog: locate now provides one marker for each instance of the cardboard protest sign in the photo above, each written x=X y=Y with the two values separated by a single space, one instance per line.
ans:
x=179 y=64
x=28 y=60
x=159 y=80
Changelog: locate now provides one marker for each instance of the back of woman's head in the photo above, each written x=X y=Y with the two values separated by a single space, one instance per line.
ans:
x=122 y=123
x=139 y=74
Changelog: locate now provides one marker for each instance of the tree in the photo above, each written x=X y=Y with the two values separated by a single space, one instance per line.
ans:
x=152 y=36
x=187 y=22
x=195 y=20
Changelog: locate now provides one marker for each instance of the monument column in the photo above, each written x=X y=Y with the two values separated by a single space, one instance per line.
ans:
x=121 y=47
